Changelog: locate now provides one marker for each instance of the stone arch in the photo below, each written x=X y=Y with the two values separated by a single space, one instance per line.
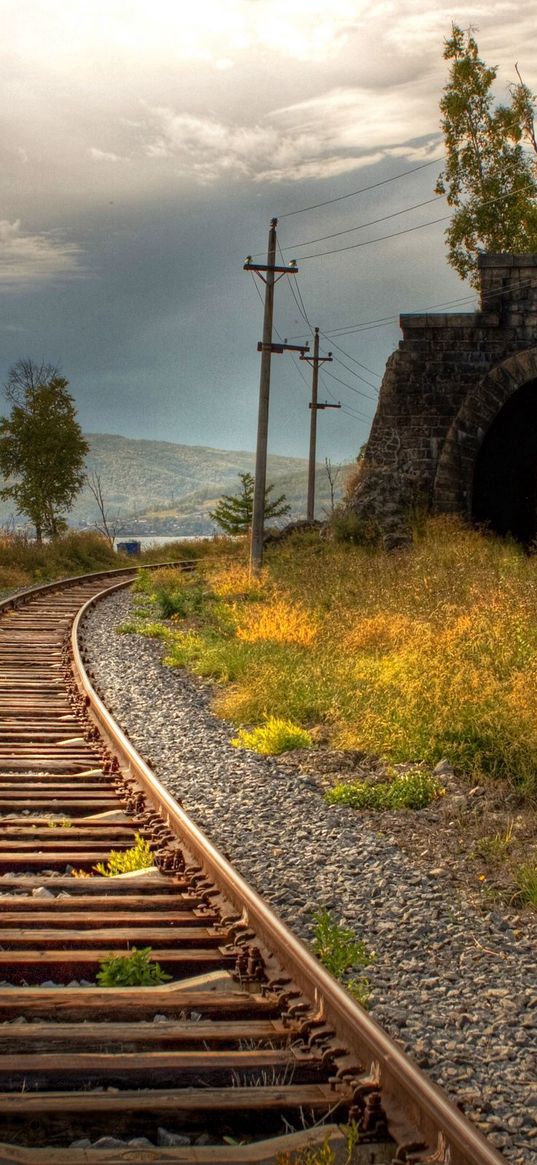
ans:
x=453 y=484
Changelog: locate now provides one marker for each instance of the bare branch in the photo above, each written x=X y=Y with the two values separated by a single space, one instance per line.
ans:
x=108 y=525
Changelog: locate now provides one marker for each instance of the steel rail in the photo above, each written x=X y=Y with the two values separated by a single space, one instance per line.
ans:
x=416 y=1109
x=18 y=598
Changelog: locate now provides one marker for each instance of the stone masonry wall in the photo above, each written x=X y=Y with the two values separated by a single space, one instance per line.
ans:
x=441 y=390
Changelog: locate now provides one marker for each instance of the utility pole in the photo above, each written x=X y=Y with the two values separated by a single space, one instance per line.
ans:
x=270 y=273
x=315 y=362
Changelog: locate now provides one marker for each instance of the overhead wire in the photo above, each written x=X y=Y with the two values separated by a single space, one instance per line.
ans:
x=301 y=374
x=293 y=283
x=353 y=193
x=351 y=386
x=379 y=239
x=406 y=231
x=349 y=357
x=373 y=222
x=345 y=408
x=382 y=321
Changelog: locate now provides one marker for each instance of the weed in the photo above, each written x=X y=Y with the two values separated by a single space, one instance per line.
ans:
x=338 y=949
x=133 y=970
x=324 y=1154
x=526 y=880
x=336 y=946
x=273 y=737
x=494 y=848
x=413 y=790
x=64 y=823
x=137 y=858
x=359 y=989
x=317 y=1156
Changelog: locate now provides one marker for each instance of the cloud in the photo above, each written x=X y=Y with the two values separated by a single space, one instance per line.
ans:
x=340 y=131
x=105 y=155
x=29 y=259
x=208 y=31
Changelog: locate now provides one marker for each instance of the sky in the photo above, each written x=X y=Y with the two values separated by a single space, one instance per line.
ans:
x=144 y=149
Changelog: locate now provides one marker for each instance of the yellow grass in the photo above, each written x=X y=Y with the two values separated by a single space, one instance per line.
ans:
x=416 y=655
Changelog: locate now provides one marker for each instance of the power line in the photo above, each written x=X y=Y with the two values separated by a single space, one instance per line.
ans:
x=302 y=309
x=257 y=289
x=349 y=357
x=379 y=239
x=348 y=329
x=300 y=305
x=352 y=372
x=351 y=386
x=373 y=222
x=299 y=293
x=372 y=186
x=345 y=407
x=408 y=230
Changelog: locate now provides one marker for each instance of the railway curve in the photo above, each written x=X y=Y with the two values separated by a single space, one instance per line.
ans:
x=251 y=1037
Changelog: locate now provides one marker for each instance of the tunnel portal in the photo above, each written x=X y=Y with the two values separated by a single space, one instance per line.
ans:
x=505 y=479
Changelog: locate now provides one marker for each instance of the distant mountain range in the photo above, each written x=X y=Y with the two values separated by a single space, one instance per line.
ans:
x=157 y=487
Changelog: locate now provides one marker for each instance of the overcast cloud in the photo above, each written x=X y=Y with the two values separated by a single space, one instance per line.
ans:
x=144 y=149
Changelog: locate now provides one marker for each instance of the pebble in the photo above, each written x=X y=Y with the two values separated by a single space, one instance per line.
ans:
x=164 y=1137
x=454 y=984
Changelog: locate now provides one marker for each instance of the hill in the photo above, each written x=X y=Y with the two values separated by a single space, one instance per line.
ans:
x=157 y=487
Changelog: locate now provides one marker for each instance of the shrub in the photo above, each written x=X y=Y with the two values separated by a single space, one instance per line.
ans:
x=346 y=526
x=137 y=858
x=133 y=970
x=414 y=790
x=273 y=737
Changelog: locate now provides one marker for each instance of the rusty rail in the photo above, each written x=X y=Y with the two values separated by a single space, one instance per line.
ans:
x=278 y=1020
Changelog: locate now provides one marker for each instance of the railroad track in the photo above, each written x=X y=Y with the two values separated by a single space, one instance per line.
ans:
x=251 y=1051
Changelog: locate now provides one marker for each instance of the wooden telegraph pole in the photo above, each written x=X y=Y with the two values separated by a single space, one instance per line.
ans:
x=315 y=362
x=270 y=273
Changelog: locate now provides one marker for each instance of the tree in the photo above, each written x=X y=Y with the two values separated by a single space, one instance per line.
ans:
x=108 y=524
x=42 y=448
x=333 y=473
x=489 y=176
x=234 y=511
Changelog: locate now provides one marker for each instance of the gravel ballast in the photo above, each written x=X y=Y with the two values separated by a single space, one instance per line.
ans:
x=453 y=985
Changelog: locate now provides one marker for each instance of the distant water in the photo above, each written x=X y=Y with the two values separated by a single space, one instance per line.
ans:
x=148 y=540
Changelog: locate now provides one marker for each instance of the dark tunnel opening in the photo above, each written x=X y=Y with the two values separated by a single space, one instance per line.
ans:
x=505 y=478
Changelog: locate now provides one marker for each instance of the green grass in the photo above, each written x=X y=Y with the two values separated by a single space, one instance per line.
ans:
x=414 y=790
x=136 y=969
